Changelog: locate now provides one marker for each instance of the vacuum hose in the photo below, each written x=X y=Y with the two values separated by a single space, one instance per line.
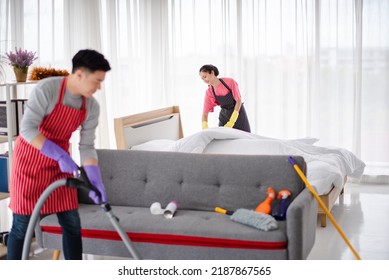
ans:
x=73 y=183
x=36 y=213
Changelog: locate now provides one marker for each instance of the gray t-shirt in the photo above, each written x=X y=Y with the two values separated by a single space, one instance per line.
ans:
x=41 y=102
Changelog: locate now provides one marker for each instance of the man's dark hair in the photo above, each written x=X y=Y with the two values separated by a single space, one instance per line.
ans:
x=90 y=60
x=209 y=68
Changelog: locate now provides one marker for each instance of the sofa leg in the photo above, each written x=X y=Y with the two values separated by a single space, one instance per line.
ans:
x=56 y=254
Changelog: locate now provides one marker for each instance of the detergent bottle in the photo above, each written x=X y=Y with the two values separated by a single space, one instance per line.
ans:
x=265 y=206
x=279 y=211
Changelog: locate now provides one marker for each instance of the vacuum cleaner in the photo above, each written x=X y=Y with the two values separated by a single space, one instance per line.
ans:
x=81 y=182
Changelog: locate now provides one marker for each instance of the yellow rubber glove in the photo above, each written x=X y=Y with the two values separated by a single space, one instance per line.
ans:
x=205 y=124
x=233 y=118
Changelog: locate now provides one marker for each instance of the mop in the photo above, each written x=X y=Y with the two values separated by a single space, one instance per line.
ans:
x=251 y=218
x=321 y=203
x=82 y=183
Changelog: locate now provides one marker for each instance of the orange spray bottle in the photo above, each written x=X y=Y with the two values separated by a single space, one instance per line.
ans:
x=265 y=206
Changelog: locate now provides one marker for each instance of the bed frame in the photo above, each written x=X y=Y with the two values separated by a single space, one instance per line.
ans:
x=329 y=200
x=166 y=124
x=136 y=129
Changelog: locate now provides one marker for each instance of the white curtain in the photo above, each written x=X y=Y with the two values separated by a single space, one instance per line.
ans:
x=305 y=67
x=375 y=89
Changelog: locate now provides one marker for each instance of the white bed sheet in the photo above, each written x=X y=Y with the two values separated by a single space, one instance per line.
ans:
x=326 y=166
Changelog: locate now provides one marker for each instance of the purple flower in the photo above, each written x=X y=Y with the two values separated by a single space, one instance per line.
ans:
x=21 y=58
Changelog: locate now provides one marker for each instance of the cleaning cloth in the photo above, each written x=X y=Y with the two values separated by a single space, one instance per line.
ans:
x=254 y=219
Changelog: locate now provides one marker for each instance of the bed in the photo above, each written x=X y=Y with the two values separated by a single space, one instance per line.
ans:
x=161 y=130
x=140 y=128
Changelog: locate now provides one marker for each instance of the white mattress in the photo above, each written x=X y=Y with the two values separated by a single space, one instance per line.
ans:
x=326 y=166
x=317 y=175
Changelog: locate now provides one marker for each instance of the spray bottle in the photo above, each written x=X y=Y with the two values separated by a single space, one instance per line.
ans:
x=265 y=206
x=279 y=212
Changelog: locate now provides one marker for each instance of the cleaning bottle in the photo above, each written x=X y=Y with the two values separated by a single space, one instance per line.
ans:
x=265 y=206
x=279 y=211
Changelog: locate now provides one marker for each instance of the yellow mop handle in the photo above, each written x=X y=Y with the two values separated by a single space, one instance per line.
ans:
x=312 y=190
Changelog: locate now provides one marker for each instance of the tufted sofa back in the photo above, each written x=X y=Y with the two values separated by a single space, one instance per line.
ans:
x=195 y=181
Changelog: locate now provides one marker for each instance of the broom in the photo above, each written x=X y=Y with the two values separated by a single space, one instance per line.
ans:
x=321 y=203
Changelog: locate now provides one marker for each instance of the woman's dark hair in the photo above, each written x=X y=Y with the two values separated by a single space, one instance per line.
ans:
x=209 y=68
x=90 y=60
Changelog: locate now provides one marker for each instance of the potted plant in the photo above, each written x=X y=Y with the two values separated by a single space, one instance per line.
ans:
x=21 y=60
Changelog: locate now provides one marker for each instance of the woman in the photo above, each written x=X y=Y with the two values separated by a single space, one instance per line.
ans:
x=56 y=108
x=224 y=93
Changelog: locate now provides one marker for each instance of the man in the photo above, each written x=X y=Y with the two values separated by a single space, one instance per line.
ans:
x=56 y=108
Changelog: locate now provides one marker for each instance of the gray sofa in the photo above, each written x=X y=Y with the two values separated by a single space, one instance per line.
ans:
x=199 y=183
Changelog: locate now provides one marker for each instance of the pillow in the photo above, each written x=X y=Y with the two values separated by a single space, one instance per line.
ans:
x=154 y=145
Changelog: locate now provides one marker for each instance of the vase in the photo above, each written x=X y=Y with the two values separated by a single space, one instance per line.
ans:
x=21 y=74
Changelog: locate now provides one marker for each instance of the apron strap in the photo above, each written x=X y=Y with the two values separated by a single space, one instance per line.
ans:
x=62 y=94
x=224 y=84
x=62 y=91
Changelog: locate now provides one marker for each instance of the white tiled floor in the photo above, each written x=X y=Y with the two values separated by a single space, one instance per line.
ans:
x=362 y=214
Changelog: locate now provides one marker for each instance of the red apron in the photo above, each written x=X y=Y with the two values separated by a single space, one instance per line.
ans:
x=32 y=172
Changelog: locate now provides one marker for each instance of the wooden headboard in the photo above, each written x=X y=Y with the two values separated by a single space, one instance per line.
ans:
x=136 y=129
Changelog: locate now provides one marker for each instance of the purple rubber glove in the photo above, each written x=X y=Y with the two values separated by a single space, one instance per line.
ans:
x=55 y=152
x=94 y=175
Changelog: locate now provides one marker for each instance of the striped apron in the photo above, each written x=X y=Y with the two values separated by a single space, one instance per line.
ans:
x=32 y=172
x=227 y=105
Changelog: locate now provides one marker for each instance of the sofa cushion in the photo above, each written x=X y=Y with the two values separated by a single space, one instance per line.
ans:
x=187 y=228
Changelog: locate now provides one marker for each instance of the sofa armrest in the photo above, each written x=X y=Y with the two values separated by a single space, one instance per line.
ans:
x=301 y=223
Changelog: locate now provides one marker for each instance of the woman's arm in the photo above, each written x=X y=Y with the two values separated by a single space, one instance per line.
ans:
x=204 y=117
x=204 y=120
x=238 y=104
